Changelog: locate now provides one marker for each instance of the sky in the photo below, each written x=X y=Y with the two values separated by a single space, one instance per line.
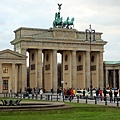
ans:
x=103 y=15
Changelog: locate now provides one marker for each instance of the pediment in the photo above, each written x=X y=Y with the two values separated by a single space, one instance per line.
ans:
x=9 y=54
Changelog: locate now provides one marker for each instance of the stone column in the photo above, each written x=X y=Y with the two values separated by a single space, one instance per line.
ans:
x=101 y=71
x=74 y=75
x=54 y=71
x=39 y=69
x=1 y=84
x=106 y=76
x=13 y=77
x=119 y=78
x=20 y=78
x=62 y=71
x=24 y=72
x=24 y=77
x=87 y=69
x=43 y=69
x=114 y=81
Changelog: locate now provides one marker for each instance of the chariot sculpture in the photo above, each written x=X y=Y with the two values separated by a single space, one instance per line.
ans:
x=58 y=22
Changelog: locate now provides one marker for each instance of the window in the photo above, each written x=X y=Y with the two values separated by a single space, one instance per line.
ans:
x=93 y=67
x=33 y=67
x=79 y=67
x=66 y=67
x=5 y=70
x=47 y=67
x=5 y=84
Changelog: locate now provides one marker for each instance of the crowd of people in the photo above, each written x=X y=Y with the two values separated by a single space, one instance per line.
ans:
x=113 y=93
x=110 y=93
x=33 y=91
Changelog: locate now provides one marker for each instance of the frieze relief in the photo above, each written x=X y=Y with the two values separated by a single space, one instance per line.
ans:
x=64 y=34
x=59 y=45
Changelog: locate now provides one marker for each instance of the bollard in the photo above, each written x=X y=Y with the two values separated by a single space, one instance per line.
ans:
x=51 y=97
x=105 y=100
x=86 y=99
x=117 y=101
x=57 y=97
x=77 y=99
x=41 y=96
x=95 y=100
x=32 y=96
x=48 y=97
x=63 y=98
x=36 y=96
x=21 y=95
x=28 y=96
x=70 y=98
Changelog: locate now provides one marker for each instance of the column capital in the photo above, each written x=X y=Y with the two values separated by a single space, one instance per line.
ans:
x=54 y=50
x=23 y=49
x=39 y=49
x=106 y=69
x=101 y=51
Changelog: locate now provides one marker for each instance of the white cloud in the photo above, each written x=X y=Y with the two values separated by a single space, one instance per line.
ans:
x=102 y=14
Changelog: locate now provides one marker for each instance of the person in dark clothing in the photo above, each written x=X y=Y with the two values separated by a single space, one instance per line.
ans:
x=110 y=93
x=52 y=90
x=68 y=92
x=104 y=92
x=58 y=91
x=97 y=93
x=115 y=94
x=84 y=93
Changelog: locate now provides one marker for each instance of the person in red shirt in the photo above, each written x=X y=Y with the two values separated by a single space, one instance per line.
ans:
x=100 y=93
x=71 y=93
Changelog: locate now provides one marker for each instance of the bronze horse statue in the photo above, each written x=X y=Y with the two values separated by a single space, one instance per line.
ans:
x=70 y=23
x=60 y=24
x=58 y=20
x=65 y=22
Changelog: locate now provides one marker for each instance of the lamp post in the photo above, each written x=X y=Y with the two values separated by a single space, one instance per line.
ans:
x=90 y=32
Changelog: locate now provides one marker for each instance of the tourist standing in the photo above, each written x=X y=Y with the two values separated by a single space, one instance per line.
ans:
x=110 y=94
x=104 y=92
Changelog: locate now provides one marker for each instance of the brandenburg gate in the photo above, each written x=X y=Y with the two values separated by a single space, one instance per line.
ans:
x=43 y=46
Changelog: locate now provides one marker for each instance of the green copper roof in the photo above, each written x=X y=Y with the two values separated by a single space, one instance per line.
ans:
x=112 y=62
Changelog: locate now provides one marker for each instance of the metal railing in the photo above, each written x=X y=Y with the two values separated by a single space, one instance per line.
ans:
x=64 y=98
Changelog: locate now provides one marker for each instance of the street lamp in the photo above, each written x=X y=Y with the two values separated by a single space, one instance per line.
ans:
x=90 y=32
